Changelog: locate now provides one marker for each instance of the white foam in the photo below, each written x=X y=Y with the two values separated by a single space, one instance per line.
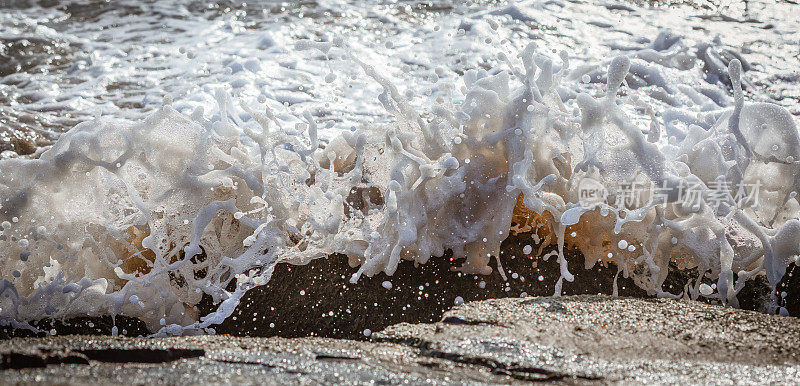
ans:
x=142 y=220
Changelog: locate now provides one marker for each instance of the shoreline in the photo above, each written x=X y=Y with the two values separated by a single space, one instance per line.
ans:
x=572 y=339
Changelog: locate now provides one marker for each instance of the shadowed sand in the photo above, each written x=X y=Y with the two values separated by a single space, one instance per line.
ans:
x=317 y=299
x=572 y=339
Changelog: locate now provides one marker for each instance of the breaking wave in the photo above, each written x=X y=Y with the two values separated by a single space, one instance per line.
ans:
x=143 y=220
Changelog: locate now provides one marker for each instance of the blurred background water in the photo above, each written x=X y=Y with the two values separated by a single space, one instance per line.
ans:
x=62 y=62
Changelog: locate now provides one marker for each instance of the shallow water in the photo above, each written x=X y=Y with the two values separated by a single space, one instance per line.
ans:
x=66 y=62
x=80 y=223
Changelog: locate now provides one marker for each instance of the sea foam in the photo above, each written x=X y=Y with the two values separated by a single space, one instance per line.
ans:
x=142 y=220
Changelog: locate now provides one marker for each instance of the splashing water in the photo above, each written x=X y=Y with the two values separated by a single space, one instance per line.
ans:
x=142 y=220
